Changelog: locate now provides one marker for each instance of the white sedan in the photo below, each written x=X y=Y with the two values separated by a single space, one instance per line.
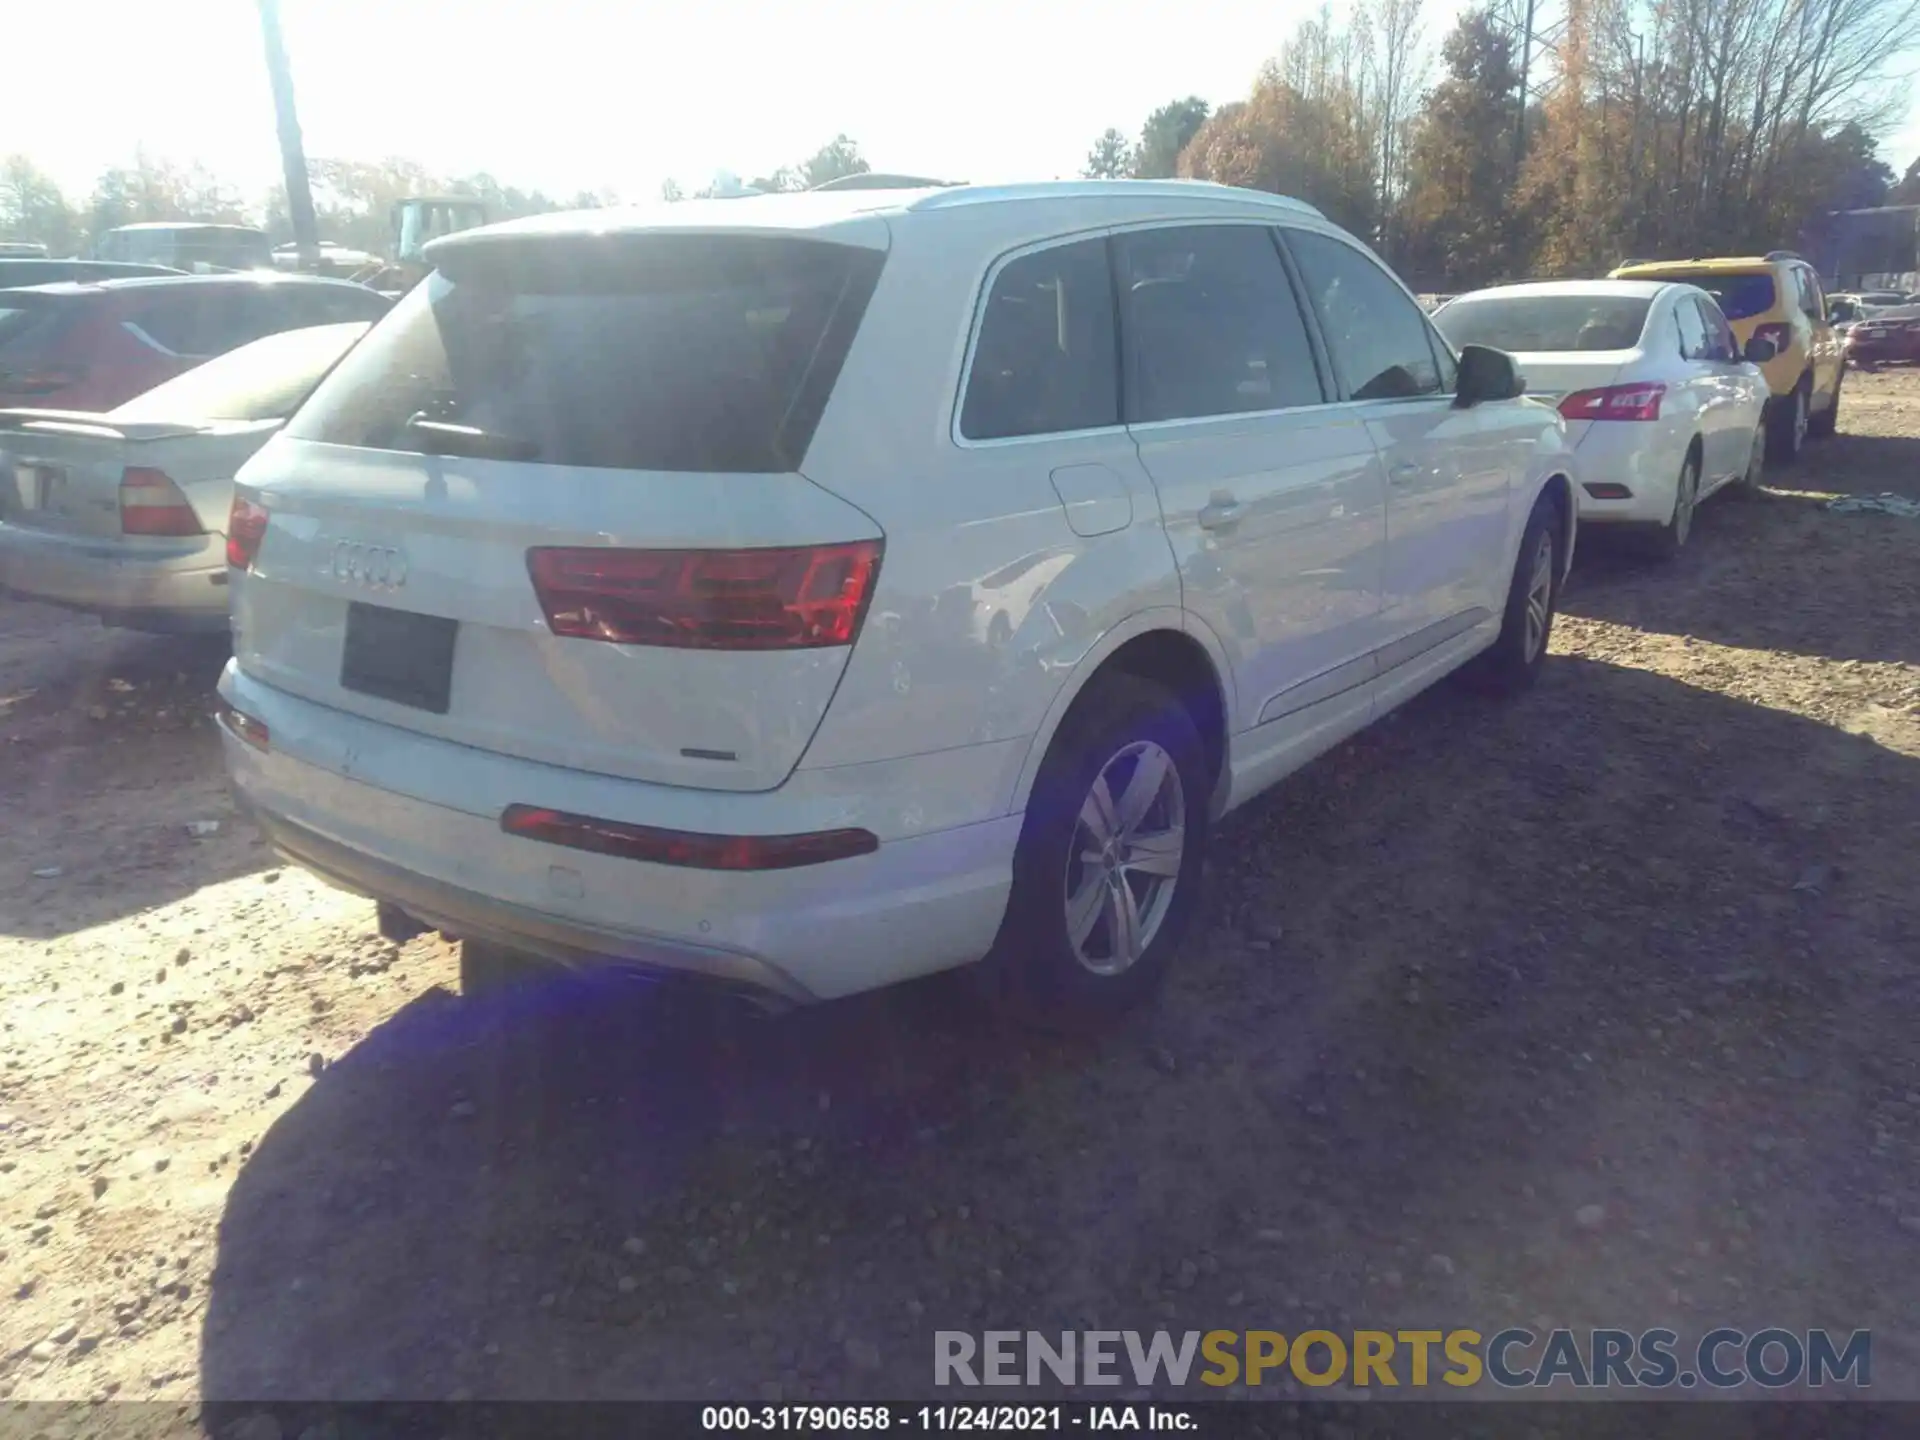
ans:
x=1661 y=406
x=124 y=515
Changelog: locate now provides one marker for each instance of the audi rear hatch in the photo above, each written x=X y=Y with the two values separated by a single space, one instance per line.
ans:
x=552 y=505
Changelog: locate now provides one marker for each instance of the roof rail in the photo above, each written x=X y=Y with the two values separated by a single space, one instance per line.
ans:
x=872 y=180
x=1111 y=189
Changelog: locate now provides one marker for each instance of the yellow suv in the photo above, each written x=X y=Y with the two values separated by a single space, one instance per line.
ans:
x=1776 y=296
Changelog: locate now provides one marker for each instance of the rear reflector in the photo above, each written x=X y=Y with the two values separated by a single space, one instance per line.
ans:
x=1607 y=491
x=679 y=847
x=1615 y=402
x=244 y=727
x=246 y=528
x=151 y=504
x=801 y=598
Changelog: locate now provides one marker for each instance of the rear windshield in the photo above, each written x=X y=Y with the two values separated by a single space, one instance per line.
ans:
x=266 y=380
x=1523 y=323
x=697 y=353
x=1741 y=297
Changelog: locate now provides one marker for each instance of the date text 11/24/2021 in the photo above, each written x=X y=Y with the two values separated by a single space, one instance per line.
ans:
x=1044 y=1419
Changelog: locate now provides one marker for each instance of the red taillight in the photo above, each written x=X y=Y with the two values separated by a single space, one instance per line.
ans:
x=1780 y=335
x=772 y=599
x=1615 y=402
x=246 y=528
x=151 y=504
x=245 y=727
x=682 y=848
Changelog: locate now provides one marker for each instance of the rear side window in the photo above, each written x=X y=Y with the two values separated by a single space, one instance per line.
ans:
x=1693 y=330
x=1527 y=324
x=1045 y=362
x=1812 y=302
x=692 y=353
x=1720 y=343
x=1740 y=297
x=1212 y=325
x=1378 y=335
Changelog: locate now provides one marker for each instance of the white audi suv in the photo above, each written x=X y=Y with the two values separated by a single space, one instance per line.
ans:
x=813 y=591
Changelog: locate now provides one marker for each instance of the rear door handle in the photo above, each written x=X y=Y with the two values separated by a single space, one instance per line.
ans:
x=1221 y=513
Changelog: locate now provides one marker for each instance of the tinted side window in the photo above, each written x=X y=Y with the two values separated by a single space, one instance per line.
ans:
x=1443 y=358
x=1377 y=334
x=1045 y=362
x=1693 y=330
x=1811 y=300
x=1211 y=324
x=1720 y=343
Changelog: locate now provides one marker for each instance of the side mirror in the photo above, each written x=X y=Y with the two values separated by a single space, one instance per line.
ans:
x=1760 y=350
x=1487 y=374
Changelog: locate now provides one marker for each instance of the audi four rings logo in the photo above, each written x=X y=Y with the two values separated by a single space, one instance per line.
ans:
x=378 y=567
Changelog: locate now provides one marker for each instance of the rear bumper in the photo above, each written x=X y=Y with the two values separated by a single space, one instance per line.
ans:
x=166 y=586
x=921 y=903
x=1623 y=453
x=474 y=916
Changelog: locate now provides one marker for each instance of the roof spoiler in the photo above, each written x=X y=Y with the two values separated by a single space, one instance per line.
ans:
x=873 y=180
x=83 y=422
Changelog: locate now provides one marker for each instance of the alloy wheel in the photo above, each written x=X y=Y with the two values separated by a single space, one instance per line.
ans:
x=1686 y=496
x=1539 y=597
x=1125 y=858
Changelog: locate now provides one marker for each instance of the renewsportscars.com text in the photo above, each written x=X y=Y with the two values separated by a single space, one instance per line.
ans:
x=1513 y=1358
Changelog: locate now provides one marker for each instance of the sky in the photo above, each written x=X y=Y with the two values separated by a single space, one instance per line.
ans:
x=569 y=95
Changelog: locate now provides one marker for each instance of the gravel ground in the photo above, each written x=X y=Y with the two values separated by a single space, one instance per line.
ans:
x=1597 y=1008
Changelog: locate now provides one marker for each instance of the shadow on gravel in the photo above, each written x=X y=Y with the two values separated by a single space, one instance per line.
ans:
x=1778 y=573
x=1561 y=958
x=1855 y=465
x=107 y=752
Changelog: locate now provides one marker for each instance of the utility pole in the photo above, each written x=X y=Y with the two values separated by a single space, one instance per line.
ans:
x=1526 y=66
x=293 y=157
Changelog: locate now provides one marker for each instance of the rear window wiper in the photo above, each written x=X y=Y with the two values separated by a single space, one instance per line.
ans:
x=442 y=437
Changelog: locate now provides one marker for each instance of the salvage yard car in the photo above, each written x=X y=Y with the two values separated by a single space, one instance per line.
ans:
x=94 y=346
x=1774 y=297
x=618 y=598
x=1661 y=406
x=1889 y=336
x=123 y=515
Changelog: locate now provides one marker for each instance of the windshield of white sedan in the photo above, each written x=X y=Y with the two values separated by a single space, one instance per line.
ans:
x=1527 y=324
x=689 y=353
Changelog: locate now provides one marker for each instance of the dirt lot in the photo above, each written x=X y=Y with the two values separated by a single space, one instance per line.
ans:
x=1600 y=1008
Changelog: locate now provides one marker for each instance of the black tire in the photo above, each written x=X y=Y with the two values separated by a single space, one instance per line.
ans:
x=1665 y=542
x=488 y=969
x=1035 y=973
x=1514 y=661
x=1822 y=424
x=1747 y=487
x=1787 y=425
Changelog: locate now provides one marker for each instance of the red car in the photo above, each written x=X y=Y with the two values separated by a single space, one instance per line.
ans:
x=1885 y=337
x=92 y=346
